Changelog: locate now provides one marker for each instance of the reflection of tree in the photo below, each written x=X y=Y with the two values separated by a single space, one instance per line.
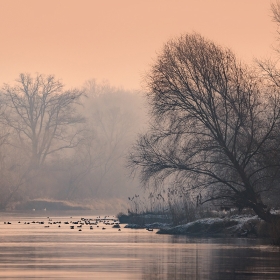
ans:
x=177 y=261
x=234 y=259
x=244 y=259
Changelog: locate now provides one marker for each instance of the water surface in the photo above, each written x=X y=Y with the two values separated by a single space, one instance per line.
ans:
x=29 y=250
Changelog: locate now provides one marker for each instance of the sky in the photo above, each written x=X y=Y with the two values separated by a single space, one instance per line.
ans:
x=118 y=40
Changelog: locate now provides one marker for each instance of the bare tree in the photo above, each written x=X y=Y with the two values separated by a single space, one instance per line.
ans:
x=214 y=123
x=42 y=115
x=269 y=71
x=275 y=8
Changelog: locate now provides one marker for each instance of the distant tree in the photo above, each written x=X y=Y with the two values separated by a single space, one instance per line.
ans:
x=114 y=118
x=215 y=122
x=42 y=116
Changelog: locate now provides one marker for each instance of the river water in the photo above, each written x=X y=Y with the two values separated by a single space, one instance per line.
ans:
x=30 y=249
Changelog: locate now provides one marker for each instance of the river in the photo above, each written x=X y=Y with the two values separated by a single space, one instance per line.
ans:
x=43 y=246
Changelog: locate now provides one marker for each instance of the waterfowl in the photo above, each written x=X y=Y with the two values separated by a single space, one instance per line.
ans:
x=116 y=226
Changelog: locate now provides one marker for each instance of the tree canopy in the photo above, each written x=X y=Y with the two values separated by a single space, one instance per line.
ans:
x=42 y=115
x=215 y=128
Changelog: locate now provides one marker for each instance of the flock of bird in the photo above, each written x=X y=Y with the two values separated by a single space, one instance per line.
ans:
x=79 y=224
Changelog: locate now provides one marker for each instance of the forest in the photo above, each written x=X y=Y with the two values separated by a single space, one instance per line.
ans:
x=66 y=144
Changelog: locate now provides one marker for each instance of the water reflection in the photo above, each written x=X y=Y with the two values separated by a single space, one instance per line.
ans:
x=216 y=259
x=33 y=251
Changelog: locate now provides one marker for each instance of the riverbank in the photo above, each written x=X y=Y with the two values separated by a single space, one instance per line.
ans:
x=234 y=226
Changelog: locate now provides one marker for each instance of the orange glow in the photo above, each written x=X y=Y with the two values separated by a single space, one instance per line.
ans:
x=117 y=40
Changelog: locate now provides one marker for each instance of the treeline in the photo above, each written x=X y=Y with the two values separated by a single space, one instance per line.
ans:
x=65 y=144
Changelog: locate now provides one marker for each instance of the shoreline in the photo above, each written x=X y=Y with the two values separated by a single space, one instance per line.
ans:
x=236 y=226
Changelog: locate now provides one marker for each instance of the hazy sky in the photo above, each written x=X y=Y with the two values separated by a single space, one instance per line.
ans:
x=117 y=40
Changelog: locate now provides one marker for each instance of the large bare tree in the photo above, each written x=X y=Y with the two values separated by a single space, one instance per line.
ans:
x=42 y=116
x=215 y=122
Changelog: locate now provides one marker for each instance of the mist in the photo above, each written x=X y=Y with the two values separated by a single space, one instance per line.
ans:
x=85 y=163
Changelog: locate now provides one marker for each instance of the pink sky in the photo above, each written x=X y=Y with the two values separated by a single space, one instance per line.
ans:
x=117 y=40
